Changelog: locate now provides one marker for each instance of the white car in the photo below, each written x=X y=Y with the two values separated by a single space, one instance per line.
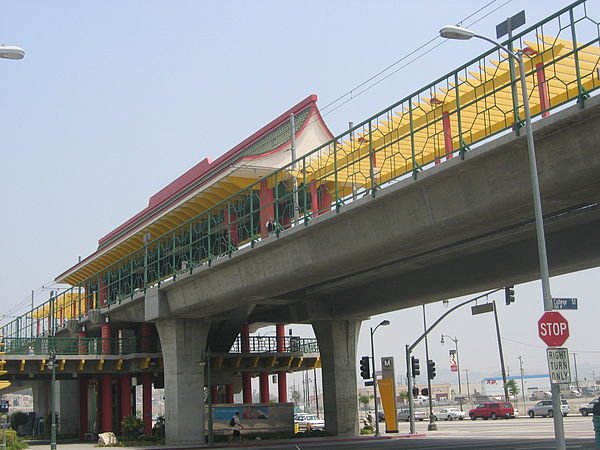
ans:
x=403 y=414
x=309 y=422
x=449 y=414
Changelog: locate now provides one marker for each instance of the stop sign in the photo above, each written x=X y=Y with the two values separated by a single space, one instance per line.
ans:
x=553 y=329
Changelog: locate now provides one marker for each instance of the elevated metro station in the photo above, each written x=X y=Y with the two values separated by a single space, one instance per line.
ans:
x=185 y=282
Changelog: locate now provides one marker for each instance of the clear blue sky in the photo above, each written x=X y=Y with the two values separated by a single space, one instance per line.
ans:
x=115 y=99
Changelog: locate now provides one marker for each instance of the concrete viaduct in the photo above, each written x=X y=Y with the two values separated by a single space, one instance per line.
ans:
x=461 y=227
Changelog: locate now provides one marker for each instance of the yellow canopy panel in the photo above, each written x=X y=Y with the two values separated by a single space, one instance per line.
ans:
x=480 y=106
x=69 y=305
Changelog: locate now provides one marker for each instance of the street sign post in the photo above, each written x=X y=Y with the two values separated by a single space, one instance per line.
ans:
x=553 y=329
x=564 y=303
x=558 y=365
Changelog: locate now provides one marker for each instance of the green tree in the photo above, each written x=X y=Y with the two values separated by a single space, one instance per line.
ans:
x=513 y=388
x=364 y=400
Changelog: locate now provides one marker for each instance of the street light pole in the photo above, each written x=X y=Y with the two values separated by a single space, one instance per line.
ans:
x=383 y=323
x=432 y=426
x=455 y=340
x=53 y=400
x=455 y=32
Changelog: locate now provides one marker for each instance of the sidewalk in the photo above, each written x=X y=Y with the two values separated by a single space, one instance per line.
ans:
x=246 y=444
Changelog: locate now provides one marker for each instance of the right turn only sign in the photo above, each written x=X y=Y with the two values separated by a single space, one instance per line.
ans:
x=558 y=365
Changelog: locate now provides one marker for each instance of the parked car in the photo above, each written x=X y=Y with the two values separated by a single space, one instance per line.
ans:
x=449 y=414
x=492 y=410
x=309 y=422
x=586 y=408
x=544 y=408
x=404 y=414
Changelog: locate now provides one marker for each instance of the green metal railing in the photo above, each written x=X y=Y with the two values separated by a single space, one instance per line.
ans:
x=351 y=165
x=78 y=346
x=126 y=346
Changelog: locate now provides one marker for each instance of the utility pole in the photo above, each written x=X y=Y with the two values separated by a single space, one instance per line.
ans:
x=467 y=377
x=576 y=375
x=522 y=383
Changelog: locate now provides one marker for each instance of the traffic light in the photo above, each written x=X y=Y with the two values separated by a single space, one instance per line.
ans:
x=414 y=364
x=365 y=368
x=425 y=392
x=415 y=392
x=509 y=294
x=430 y=369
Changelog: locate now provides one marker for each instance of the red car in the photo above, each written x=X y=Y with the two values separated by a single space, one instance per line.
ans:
x=492 y=410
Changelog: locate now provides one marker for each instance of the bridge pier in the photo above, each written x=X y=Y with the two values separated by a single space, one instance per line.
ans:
x=337 y=345
x=183 y=343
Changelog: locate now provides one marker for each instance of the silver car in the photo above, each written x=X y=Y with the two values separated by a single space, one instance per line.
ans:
x=544 y=408
x=449 y=414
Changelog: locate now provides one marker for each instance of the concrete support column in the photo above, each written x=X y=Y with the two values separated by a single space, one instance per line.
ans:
x=337 y=344
x=107 y=412
x=67 y=405
x=229 y=393
x=183 y=343
x=246 y=377
x=125 y=395
x=147 y=403
x=83 y=406
x=105 y=334
x=264 y=387
x=281 y=376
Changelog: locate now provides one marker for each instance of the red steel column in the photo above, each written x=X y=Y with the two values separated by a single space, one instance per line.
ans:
x=83 y=406
x=107 y=416
x=542 y=89
x=267 y=208
x=325 y=199
x=447 y=134
x=229 y=393
x=81 y=347
x=231 y=226
x=105 y=334
x=214 y=394
x=314 y=198
x=125 y=399
x=264 y=387
x=147 y=403
x=146 y=332
x=281 y=376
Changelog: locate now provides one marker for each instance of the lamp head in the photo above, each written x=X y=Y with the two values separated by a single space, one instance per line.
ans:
x=11 y=52
x=385 y=323
x=455 y=32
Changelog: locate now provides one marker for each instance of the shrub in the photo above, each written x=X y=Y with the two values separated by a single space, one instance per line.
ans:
x=18 y=418
x=12 y=440
x=132 y=427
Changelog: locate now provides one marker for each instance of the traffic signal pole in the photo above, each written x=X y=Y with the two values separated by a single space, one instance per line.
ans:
x=409 y=349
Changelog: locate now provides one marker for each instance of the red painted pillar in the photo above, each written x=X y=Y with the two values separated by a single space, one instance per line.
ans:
x=281 y=376
x=229 y=393
x=102 y=292
x=264 y=387
x=125 y=392
x=267 y=207
x=214 y=393
x=314 y=198
x=83 y=406
x=542 y=89
x=231 y=225
x=325 y=199
x=105 y=334
x=107 y=416
x=246 y=377
x=81 y=347
x=447 y=134
x=146 y=332
x=147 y=403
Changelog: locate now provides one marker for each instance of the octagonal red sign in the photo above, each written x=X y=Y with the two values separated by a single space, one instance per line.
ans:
x=553 y=329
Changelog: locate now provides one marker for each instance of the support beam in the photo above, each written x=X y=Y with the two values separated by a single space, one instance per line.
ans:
x=107 y=413
x=337 y=345
x=147 y=403
x=183 y=343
